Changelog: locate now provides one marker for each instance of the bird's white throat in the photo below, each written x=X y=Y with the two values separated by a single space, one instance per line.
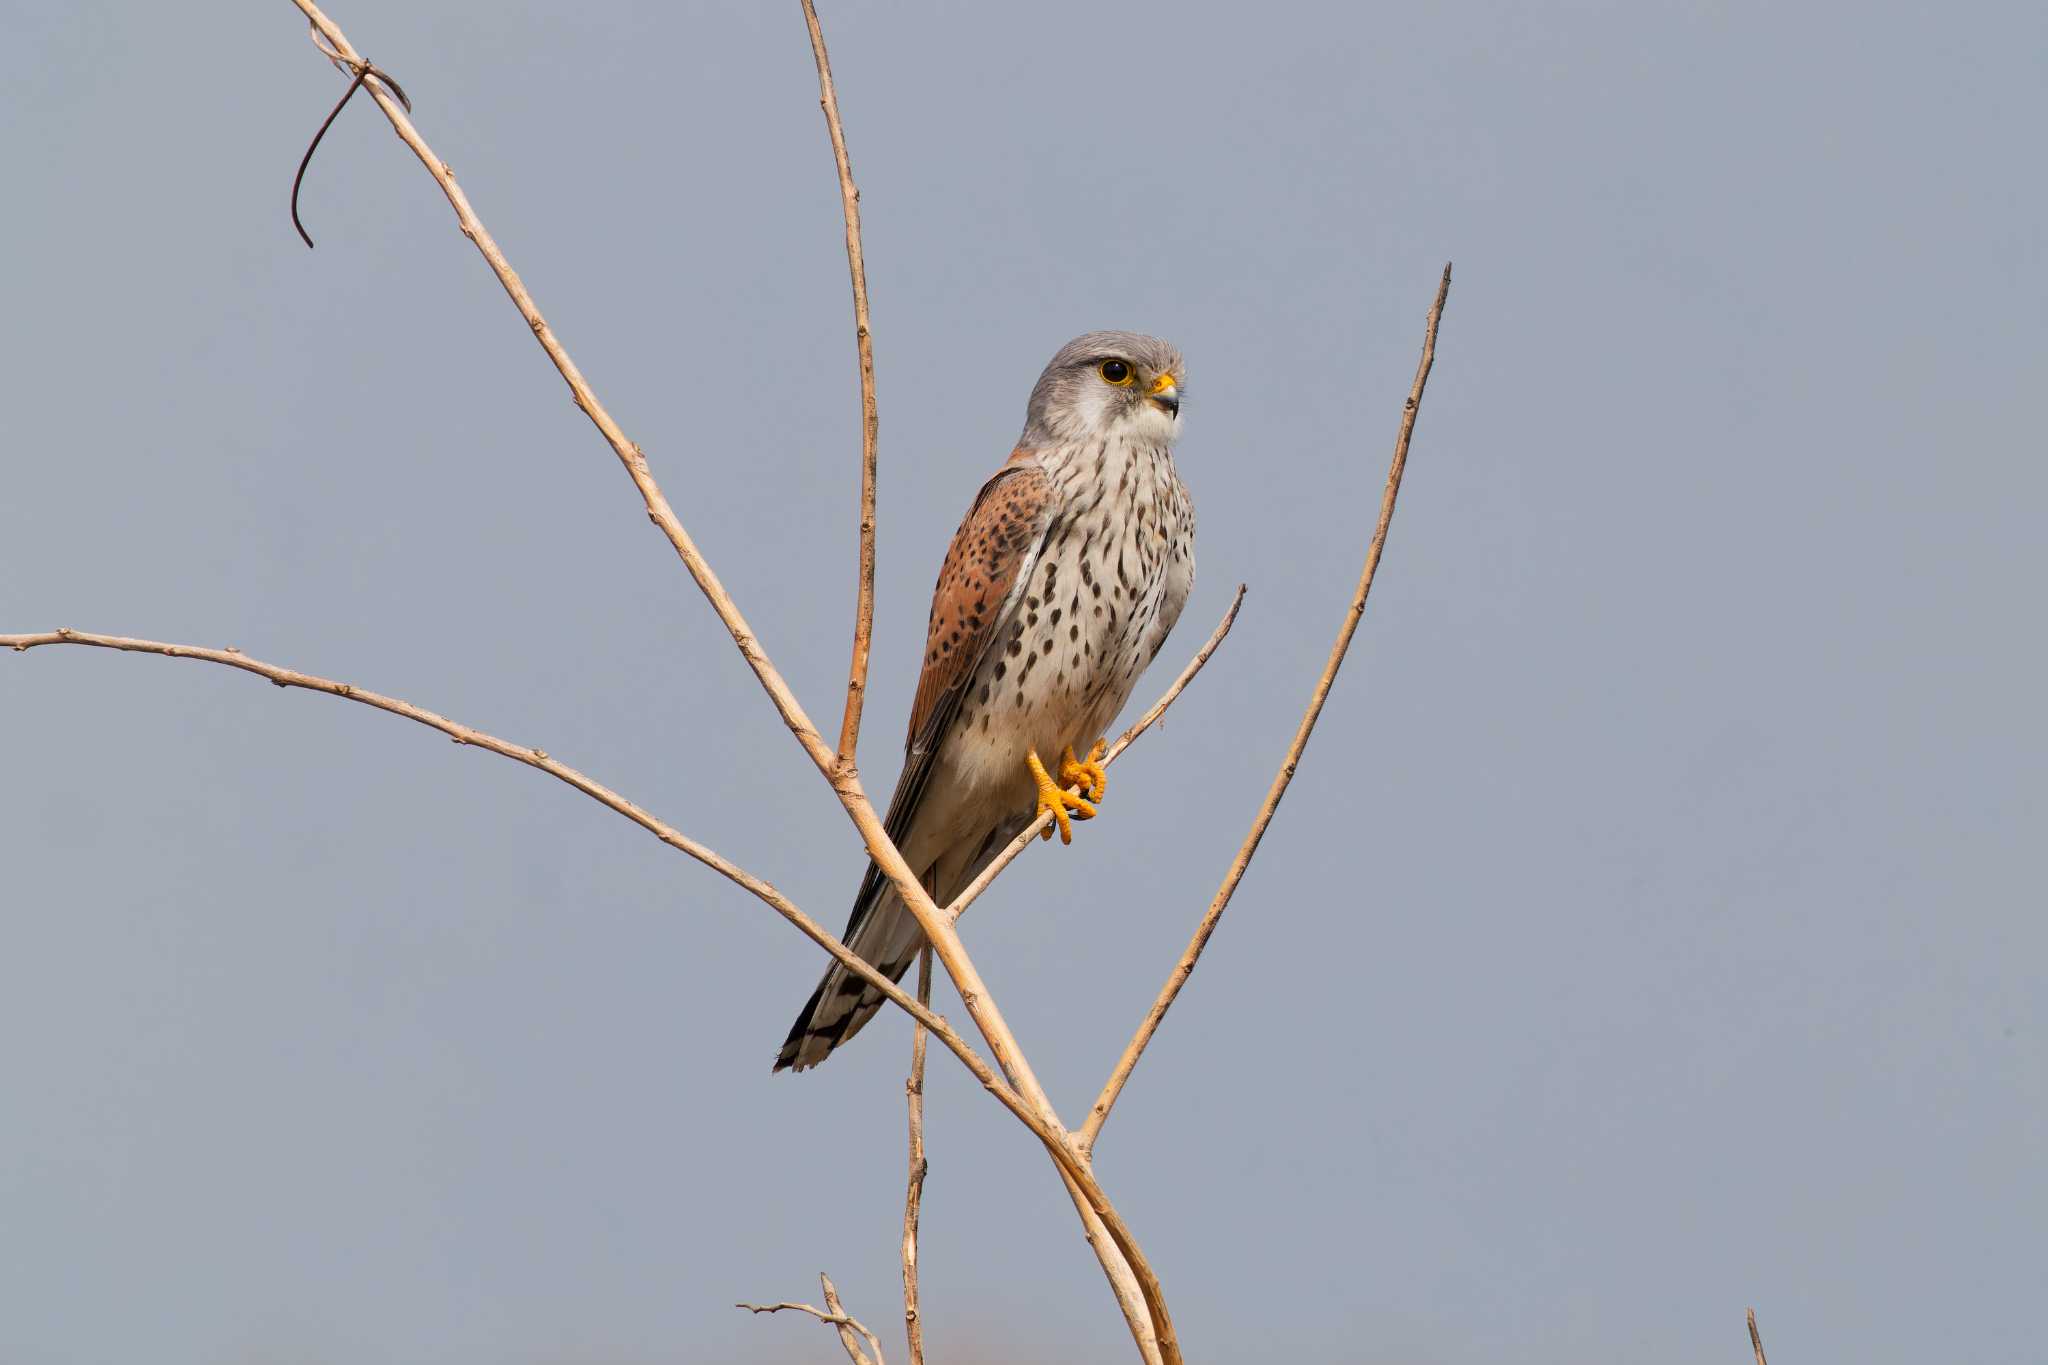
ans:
x=1099 y=412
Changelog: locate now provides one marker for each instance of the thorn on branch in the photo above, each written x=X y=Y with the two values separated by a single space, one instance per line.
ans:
x=363 y=70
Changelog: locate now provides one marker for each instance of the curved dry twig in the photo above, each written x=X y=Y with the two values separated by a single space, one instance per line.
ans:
x=597 y=791
x=849 y=199
x=363 y=71
x=833 y=1314
x=1124 y=741
x=362 y=74
x=1098 y=1113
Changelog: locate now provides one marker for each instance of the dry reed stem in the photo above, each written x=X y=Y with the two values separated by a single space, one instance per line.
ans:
x=1124 y=741
x=849 y=199
x=1130 y=1274
x=1756 y=1339
x=1098 y=1113
x=913 y=1198
x=834 y=1314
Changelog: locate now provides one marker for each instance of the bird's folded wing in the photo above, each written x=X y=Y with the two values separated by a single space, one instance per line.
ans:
x=979 y=587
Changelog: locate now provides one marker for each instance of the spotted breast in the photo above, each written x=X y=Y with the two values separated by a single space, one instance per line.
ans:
x=1114 y=570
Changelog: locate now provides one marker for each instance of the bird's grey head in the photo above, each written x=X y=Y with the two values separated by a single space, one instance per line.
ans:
x=1107 y=383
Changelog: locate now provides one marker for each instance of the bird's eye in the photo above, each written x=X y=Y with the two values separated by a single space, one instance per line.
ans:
x=1115 y=372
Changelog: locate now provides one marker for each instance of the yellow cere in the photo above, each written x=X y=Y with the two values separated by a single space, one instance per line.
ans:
x=1162 y=383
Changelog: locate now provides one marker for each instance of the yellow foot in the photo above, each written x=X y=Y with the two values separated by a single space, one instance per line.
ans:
x=1088 y=774
x=1055 y=798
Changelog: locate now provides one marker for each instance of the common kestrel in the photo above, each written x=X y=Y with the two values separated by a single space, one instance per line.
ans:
x=1060 y=586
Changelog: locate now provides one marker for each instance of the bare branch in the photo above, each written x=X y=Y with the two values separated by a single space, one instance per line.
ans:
x=1756 y=1340
x=849 y=198
x=913 y=1199
x=1125 y=1265
x=1098 y=1214
x=1098 y=1114
x=1124 y=741
x=597 y=791
x=833 y=1314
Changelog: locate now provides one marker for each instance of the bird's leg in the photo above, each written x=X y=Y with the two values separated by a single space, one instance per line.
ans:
x=1088 y=774
x=1055 y=798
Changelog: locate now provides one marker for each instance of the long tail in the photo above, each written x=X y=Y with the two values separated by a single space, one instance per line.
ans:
x=882 y=931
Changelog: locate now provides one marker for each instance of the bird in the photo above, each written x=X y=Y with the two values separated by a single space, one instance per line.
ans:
x=1060 y=586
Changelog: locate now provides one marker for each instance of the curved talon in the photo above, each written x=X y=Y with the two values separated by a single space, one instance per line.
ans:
x=1055 y=798
x=1088 y=774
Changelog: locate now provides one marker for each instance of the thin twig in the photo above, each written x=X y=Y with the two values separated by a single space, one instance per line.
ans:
x=1124 y=741
x=1130 y=1274
x=1098 y=1114
x=913 y=1198
x=1756 y=1339
x=849 y=199
x=834 y=1315
x=597 y=791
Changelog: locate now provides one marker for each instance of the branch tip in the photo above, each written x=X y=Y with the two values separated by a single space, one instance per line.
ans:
x=1176 y=979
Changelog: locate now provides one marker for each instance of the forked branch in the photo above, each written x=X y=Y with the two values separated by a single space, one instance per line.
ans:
x=833 y=1314
x=1126 y=1265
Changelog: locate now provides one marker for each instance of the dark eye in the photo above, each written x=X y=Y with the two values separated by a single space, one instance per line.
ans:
x=1115 y=372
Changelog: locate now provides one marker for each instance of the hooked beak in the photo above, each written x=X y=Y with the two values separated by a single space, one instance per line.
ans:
x=1166 y=394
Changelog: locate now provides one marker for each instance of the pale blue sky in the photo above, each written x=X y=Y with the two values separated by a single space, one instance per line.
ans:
x=1655 y=928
